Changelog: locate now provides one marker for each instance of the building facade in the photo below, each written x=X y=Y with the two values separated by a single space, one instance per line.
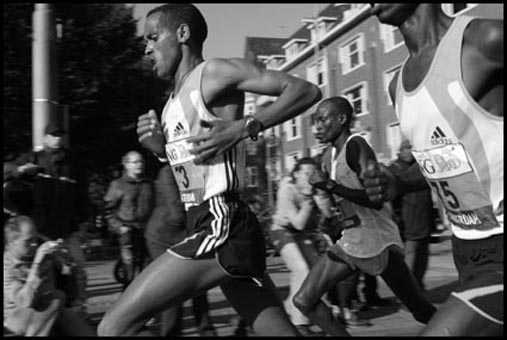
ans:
x=346 y=52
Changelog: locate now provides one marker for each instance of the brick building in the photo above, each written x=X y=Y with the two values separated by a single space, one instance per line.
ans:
x=347 y=53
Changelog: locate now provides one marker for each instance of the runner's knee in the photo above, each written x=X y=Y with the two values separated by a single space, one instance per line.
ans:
x=302 y=303
x=112 y=324
x=106 y=327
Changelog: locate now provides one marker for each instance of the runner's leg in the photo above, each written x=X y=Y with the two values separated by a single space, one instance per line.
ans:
x=260 y=307
x=404 y=285
x=323 y=275
x=455 y=318
x=167 y=281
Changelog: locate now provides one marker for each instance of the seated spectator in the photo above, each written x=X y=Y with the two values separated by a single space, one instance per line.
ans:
x=33 y=306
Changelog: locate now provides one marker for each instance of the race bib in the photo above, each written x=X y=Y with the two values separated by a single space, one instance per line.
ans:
x=189 y=177
x=443 y=162
x=451 y=176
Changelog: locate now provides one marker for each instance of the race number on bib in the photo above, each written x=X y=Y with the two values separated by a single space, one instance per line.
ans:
x=189 y=176
x=443 y=162
x=452 y=178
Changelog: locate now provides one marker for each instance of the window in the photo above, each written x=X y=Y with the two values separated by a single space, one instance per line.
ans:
x=354 y=9
x=293 y=128
x=393 y=138
x=252 y=179
x=388 y=76
x=293 y=47
x=275 y=169
x=291 y=159
x=274 y=62
x=291 y=52
x=352 y=54
x=317 y=73
x=249 y=109
x=271 y=136
x=321 y=29
x=358 y=97
x=391 y=37
x=251 y=147
x=456 y=9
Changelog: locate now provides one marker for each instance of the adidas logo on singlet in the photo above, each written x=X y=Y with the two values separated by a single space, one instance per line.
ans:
x=178 y=130
x=439 y=138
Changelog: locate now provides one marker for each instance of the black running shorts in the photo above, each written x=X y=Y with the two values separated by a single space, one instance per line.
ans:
x=224 y=227
x=480 y=268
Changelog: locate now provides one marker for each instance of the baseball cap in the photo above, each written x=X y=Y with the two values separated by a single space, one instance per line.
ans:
x=54 y=129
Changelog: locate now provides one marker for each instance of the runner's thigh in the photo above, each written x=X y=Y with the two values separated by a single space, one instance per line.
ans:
x=260 y=307
x=166 y=281
x=323 y=275
x=455 y=318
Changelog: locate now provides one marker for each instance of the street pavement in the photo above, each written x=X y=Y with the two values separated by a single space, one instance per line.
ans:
x=394 y=320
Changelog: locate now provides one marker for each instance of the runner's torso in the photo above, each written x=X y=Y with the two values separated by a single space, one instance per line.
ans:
x=368 y=231
x=180 y=120
x=458 y=145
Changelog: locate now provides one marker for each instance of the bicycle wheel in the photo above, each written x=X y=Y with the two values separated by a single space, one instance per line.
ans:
x=120 y=272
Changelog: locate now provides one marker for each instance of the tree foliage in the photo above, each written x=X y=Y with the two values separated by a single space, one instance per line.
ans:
x=101 y=77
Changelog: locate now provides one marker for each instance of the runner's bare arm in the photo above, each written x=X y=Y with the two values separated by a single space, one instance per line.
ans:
x=222 y=76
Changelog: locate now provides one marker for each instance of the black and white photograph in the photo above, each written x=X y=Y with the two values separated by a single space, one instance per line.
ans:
x=253 y=169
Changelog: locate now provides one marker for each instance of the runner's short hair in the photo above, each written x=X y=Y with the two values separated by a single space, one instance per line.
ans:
x=174 y=15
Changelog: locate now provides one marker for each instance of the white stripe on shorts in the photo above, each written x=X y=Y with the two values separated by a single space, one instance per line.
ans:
x=219 y=225
x=468 y=295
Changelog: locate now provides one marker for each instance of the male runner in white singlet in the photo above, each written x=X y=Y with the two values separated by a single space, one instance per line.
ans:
x=226 y=244
x=449 y=100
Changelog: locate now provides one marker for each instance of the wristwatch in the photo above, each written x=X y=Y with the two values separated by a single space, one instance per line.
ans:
x=330 y=185
x=253 y=127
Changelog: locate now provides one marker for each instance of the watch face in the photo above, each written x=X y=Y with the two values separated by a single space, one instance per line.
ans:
x=253 y=128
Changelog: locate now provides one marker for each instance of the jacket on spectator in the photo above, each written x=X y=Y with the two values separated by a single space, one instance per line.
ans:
x=128 y=202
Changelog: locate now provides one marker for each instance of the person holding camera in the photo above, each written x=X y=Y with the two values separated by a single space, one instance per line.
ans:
x=33 y=306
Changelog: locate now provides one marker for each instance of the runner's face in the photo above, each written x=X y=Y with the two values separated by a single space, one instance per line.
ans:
x=393 y=14
x=162 y=47
x=328 y=127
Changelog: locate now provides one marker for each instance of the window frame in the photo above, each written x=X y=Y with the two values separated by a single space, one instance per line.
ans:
x=449 y=8
x=252 y=177
x=288 y=126
x=364 y=97
x=387 y=34
x=345 y=61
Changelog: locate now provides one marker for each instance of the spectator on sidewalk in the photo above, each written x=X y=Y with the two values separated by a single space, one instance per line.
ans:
x=416 y=220
x=295 y=217
x=33 y=306
x=165 y=228
x=60 y=200
x=128 y=204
